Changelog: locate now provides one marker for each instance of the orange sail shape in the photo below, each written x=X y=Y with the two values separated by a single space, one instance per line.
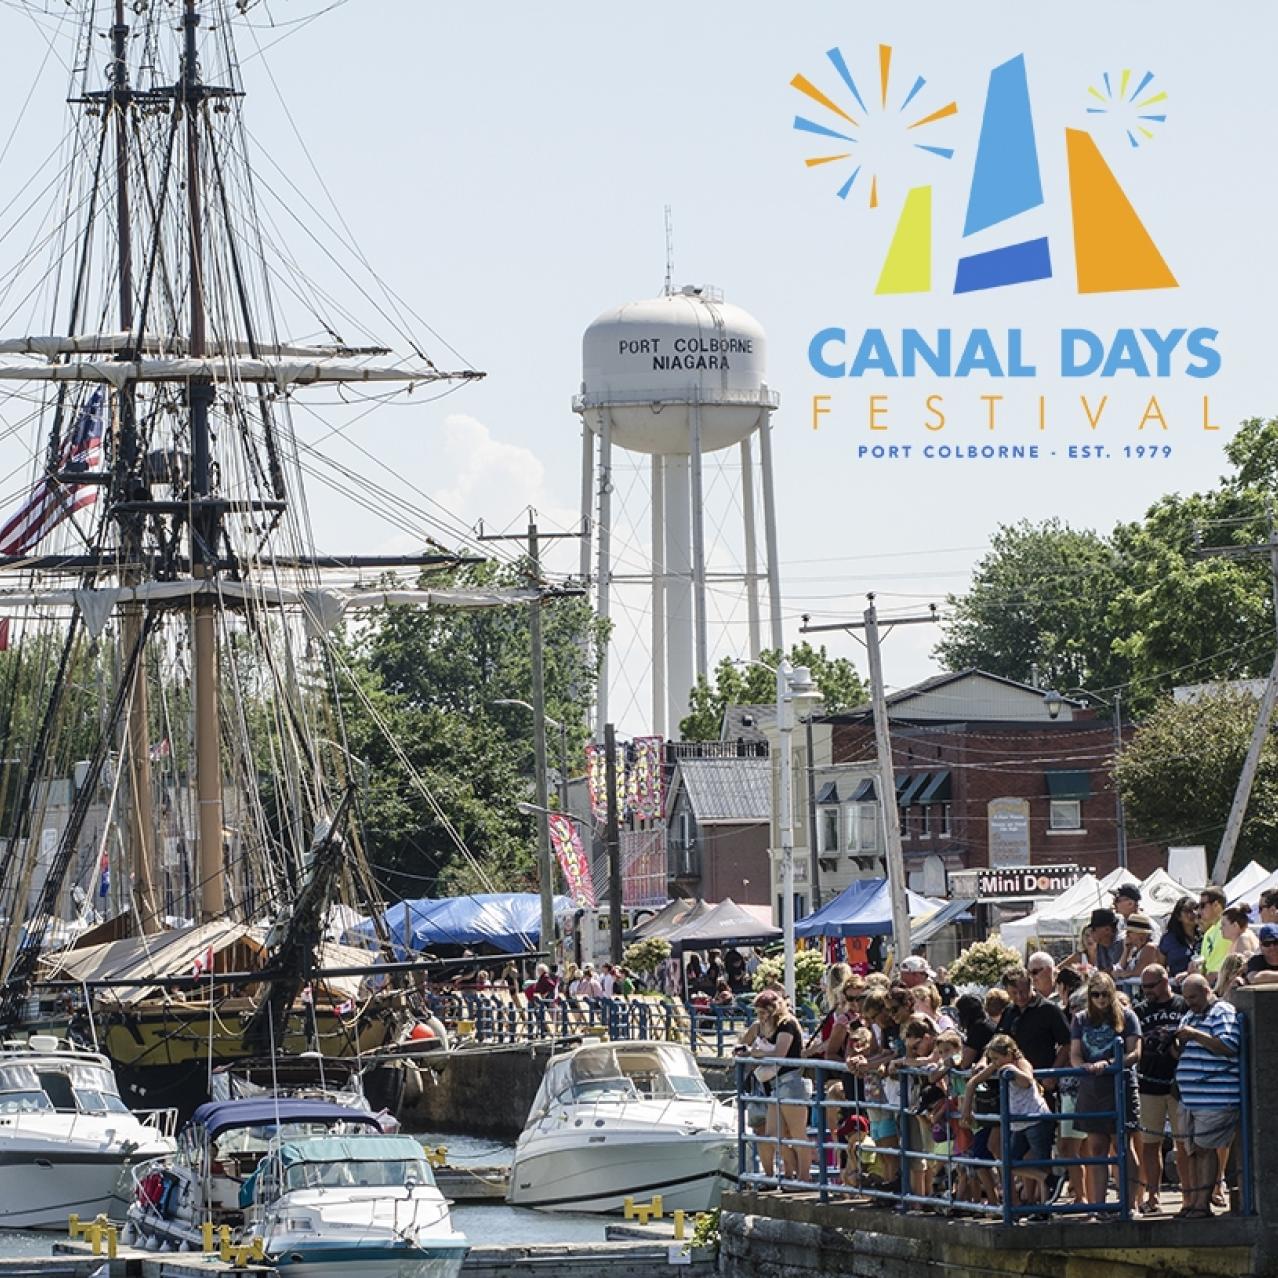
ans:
x=1113 y=252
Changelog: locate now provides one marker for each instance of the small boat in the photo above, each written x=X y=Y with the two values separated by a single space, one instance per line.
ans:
x=618 y=1120
x=362 y=1205
x=66 y=1137
x=327 y=1192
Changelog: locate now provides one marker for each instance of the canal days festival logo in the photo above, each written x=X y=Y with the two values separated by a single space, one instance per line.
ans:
x=856 y=125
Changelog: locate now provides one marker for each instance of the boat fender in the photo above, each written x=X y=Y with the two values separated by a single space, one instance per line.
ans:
x=128 y=1234
x=421 y=1033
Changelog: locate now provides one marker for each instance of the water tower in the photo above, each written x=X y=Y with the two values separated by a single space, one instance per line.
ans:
x=674 y=378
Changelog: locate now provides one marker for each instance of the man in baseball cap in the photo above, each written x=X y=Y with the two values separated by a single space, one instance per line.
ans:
x=1262 y=968
x=915 y=971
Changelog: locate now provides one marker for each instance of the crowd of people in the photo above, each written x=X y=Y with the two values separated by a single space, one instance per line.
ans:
x=1128 y=1051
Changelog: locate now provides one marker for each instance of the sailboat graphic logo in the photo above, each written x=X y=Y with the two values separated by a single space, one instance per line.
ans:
x=1113 y=251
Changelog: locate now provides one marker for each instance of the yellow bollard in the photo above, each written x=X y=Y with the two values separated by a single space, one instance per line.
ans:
x=207 y=1230
x=113 y=1241
x=224 y=1243
x=643 y=1214
x=73 y=1225
x=678 y=1224
x=656 y=1207
x=629 y=1211
x=258 y=1250
x=464 y=1028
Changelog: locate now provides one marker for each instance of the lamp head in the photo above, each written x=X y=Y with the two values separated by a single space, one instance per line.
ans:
x=1053 y=701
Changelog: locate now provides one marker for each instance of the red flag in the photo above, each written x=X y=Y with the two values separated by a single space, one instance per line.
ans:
x=4 y=634
x=203 y=962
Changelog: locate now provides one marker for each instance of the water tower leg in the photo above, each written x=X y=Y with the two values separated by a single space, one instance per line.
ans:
x=679 y=647
x=602 y=583
x=698 y=545
x=658 y=503
x=587 y=495
x=751 y=549
x=770 y=530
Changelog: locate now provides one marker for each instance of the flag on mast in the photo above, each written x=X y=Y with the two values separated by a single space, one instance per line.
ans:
x=53 y=500
x=104 y=870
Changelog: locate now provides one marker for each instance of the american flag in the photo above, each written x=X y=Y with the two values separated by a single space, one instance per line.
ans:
x=104 y=871
x=52 y=501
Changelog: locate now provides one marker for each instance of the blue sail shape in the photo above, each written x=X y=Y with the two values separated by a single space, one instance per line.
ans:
x=1005 y=179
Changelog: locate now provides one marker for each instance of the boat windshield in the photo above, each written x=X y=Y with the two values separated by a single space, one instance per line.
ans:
x=648 y=1071
x=69 y=1087
x=372 y=1174
x=256 y=1140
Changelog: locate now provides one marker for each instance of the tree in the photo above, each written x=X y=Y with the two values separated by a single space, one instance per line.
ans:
x=1039 y=598
x=1178 y=773
x=432 y=677
x=734 y=684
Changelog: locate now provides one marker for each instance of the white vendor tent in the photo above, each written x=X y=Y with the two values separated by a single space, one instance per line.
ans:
x=1245 y=882
x=1064 y=917
x=1160 y=892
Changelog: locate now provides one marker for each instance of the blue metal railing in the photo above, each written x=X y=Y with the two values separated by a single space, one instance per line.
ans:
x=772 y=1146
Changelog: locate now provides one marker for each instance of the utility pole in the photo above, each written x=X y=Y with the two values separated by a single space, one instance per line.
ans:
x=1119 y=814
x=813 y=859
x=1242 y=793
x=614 y=845
x=883 y=747
x=545 y=861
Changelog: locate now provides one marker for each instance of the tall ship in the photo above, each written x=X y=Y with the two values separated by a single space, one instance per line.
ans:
x=173 y=676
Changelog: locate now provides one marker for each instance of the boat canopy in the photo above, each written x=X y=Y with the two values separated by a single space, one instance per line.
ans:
x=621 y=1072
x=508 y=921
x=220 y=1116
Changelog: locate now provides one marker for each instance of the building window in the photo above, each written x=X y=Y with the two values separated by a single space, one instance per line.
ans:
x=943 y=824
x=1065 y=814
x=863 y=827
x=829 y=830
x=925 y=821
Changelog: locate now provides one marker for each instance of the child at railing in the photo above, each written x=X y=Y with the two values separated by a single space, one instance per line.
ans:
x=919 y=1035
x=1031 y=1128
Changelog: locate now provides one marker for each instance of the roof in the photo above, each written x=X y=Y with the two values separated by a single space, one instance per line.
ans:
x=266 y=1111
x=746 y=723
x=725 y=790
x=901 y=695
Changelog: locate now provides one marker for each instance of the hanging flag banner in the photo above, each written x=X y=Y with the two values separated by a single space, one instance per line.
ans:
x=104 y=871
x=572 y=860
x=597 y=780
x=645 y=798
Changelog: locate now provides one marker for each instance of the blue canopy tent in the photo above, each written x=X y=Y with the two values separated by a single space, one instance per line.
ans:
x=864 y=908
x=506 y=921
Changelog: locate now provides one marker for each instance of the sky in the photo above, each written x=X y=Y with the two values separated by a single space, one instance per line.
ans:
x=507 y=167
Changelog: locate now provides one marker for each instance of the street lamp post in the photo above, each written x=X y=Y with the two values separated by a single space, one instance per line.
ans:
x=792 y=683
x=1054 y=701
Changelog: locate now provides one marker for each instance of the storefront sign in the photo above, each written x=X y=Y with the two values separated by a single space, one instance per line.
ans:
x=1030 y=880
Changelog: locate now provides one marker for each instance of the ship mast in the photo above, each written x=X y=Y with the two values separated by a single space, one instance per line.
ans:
x=141 y=817
x=204 y=519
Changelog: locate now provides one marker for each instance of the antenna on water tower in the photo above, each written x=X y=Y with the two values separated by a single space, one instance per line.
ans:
x=669 y=288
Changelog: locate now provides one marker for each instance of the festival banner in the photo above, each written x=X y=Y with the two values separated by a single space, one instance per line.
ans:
x=644 y=792
x=572 y=860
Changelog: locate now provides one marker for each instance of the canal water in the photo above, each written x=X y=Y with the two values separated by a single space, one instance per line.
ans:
x=480 y=1222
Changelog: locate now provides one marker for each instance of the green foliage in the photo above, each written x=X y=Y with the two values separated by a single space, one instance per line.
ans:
x=841 y=688
x=984 y=964
x=1164 y=599
x=1035 y=600
x=433 y=676
x=646 y=956
x=705 y=1233
x=1177 y=776
x=809 y=968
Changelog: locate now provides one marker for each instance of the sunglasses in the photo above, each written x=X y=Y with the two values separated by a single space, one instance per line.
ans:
x=1264 y=945
x=1105 y=994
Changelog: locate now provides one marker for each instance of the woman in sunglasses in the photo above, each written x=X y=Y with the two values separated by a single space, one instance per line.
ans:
x=1103 y=1031
x=1179 y=941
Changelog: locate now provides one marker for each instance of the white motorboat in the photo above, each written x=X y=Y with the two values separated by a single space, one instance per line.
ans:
x=618 y=1120
x=66 y=1137
x=327 y=1192
x=363 y=1206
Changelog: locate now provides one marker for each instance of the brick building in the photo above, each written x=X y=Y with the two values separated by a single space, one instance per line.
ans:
x=985 y=777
